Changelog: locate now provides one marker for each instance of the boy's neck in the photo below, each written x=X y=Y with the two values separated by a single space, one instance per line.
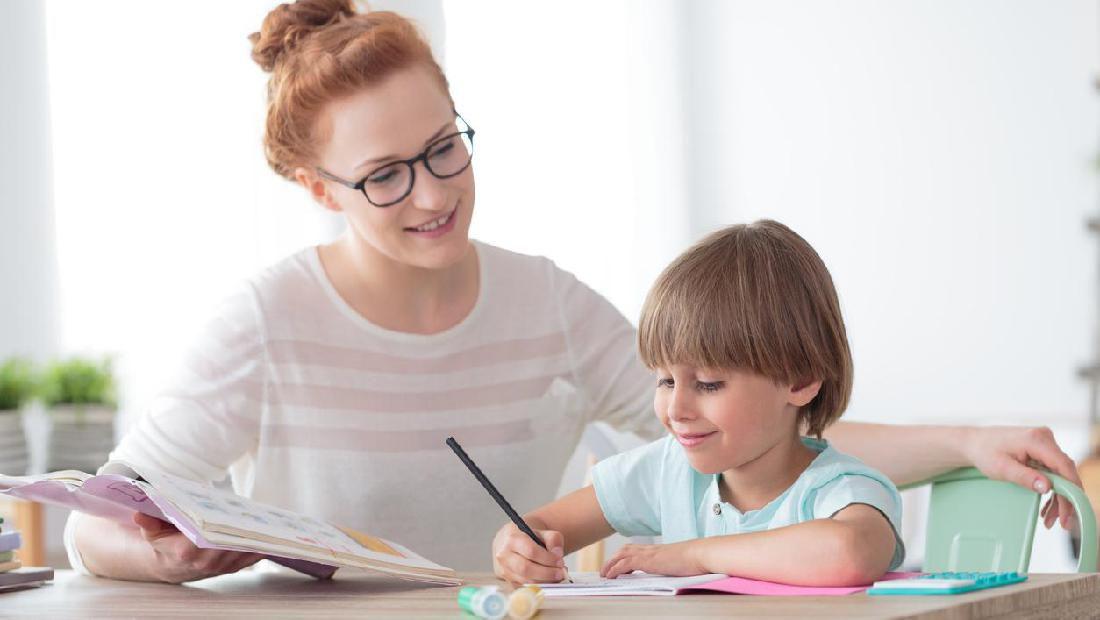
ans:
x=755 y=483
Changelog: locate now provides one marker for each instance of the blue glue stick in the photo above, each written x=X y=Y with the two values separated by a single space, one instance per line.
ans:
x=486 y=602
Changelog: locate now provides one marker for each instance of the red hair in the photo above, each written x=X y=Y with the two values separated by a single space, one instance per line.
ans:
x=318 y=51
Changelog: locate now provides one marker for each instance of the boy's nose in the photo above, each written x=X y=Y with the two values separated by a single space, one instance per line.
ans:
x=680 y=406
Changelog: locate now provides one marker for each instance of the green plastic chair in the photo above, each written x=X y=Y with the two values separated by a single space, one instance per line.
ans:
x=980 y=525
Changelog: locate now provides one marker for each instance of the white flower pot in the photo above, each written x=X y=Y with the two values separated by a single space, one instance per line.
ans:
x=13 y=443
x=80 y=437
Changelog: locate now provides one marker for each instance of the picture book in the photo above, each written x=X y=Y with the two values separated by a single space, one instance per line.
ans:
x=213 y=518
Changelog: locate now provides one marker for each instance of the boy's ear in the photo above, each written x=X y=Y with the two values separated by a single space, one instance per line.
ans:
x=317 y=189
x=804 y=392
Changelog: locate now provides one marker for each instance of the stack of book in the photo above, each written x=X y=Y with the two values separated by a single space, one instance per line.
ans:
x=9 y=543
x=12 y=573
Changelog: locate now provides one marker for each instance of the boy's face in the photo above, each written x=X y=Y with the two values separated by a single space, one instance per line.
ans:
x=727 y=418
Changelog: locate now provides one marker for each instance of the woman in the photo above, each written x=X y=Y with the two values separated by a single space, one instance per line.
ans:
x=328 y=384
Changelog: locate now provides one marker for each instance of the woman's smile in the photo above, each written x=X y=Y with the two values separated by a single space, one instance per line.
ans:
x=435 y=228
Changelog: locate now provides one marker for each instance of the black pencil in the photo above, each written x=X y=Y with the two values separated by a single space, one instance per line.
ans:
x=488 y=486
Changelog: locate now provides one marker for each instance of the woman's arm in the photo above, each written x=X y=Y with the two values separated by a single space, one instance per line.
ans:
x=912 y=453
x=565 y=525
x=854 y=547
x=150 y=550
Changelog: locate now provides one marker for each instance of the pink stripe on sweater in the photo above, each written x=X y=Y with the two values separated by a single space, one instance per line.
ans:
x=373 y=401
x=314 y=438
x=506 y=351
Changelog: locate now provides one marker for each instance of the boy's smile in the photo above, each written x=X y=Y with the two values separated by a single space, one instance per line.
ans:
x=725 y=419
x=692 y=440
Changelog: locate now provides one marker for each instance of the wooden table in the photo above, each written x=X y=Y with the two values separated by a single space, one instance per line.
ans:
x=360 y=595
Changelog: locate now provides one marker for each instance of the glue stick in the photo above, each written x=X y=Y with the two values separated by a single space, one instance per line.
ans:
x=486 y=602
x=524 y=602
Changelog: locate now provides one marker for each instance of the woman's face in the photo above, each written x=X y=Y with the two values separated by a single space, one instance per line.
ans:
x=397 y=120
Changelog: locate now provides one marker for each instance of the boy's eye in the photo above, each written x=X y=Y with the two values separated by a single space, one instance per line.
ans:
x=709 y=386
x=665 y=382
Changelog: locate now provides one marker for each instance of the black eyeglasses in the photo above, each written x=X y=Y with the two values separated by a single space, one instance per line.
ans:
x=390 y=184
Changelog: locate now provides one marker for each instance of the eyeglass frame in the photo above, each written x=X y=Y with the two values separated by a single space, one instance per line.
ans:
x=361 y=185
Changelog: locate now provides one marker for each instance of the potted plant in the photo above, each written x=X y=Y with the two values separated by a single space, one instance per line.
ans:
x=79 y=395
x=16 y=388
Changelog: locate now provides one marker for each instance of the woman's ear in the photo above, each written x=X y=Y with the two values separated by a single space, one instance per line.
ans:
x=804 y=392
x=317 y=189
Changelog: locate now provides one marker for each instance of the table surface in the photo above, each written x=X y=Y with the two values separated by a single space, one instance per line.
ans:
x=353 y=595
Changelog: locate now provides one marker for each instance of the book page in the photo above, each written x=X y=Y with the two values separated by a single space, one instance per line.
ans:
x=227 y=518
x=591 y=584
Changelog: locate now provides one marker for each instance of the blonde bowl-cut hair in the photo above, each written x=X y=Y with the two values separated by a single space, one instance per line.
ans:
x=753 y=297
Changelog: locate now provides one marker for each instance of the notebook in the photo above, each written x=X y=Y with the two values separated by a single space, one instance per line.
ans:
x=213 y=518
x=643 y=584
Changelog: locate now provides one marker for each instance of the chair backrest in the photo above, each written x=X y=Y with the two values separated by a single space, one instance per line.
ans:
x=978 y=524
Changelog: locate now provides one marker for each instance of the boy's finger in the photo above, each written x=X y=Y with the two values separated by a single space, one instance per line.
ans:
x=524 y=546
x=619 y=567
x=528 y=571
x=552 y=539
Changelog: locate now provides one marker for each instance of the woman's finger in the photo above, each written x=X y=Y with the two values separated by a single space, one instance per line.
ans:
x=152 y=527
x=1044 y=449
x=1016 y=472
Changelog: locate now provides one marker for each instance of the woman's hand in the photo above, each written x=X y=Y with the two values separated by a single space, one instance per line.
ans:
x=519 y=560
x=179 y=560
x=1013 y=453
x=674 y=560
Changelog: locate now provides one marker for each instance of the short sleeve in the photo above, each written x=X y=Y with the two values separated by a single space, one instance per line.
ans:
x=628 y=489
x=209 y=416
x=848 y=489
x=618 y=388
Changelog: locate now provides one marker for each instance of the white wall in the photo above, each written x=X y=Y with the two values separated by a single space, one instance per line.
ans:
x=938 y=155
x=28 y=278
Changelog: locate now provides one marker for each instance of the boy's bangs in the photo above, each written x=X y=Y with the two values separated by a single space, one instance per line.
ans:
x=684 y=331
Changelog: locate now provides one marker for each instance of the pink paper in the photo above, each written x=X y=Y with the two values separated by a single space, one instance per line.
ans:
x=740 y=585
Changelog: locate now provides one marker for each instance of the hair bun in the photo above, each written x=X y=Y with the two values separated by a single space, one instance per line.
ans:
x=287 y=24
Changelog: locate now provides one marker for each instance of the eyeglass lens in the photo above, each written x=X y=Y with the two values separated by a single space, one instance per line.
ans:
x=444 y=158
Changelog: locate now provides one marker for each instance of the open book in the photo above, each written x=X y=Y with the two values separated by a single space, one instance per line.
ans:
x=643 y=584
x=215 y=519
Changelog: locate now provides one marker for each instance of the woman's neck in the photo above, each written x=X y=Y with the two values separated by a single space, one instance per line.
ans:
x=752 y=485
x=398 y=296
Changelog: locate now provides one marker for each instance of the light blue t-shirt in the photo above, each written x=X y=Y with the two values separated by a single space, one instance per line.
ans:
x=652 y=490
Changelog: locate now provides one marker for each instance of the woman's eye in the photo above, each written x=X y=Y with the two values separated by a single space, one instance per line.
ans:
x=709 y=386
x=442 y=150
x=382 y=177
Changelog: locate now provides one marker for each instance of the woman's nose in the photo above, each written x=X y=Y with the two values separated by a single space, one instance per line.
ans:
x=428 y=193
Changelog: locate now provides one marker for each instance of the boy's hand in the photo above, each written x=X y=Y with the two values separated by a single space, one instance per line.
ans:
x=520 y=560
x=674 y=560
x=179 y=560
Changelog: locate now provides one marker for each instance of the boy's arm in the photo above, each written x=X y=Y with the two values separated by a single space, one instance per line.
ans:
x=854 y=547
x=577 y=516
x=912 y=453
x=565 y=525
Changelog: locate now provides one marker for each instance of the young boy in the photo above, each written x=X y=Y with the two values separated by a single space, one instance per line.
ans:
x=745 y=334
